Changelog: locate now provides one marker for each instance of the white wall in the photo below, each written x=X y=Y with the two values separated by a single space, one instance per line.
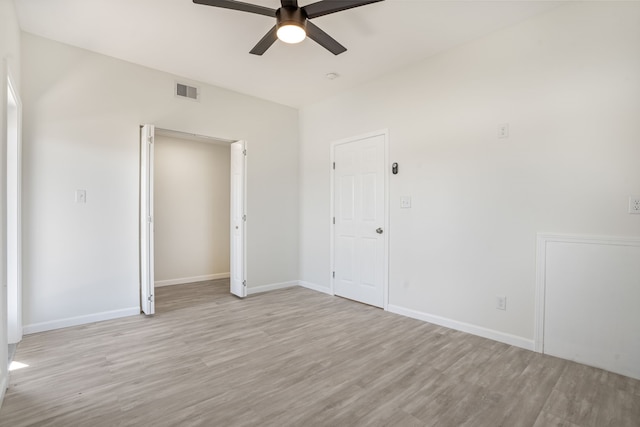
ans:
x=568 y=84
x=191 y=202
x=10 y=39
x=82 y=113
x=10 y=56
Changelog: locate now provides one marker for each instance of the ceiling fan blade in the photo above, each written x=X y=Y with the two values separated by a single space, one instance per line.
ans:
x=324 y=39
x=238 y=5
x=326 y=7
x=266 y=42
x=289 y=3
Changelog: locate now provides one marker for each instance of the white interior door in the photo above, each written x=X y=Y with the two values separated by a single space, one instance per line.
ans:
x=14 y=227
x=238 y=219
x=359 y=238
x=147 y=301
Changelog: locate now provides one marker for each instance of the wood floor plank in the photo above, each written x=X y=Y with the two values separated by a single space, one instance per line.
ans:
x=295 y=357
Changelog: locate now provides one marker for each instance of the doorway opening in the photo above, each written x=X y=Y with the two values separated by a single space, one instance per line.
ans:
x=192 y=194
x=192 y=204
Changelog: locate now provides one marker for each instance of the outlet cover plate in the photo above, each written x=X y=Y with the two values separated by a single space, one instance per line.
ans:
x=634 y=204
x=503 y=130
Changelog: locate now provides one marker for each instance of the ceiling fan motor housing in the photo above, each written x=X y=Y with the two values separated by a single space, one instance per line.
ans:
x=291 y=16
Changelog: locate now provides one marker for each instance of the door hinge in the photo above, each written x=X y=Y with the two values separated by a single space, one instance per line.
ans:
x=244 y=151
x=244 y=283
x=334 y=274
x=334 y=165
x=334 y=220
x=150 y=298
x=149 y=219
x=244 y=217
x=150 y=139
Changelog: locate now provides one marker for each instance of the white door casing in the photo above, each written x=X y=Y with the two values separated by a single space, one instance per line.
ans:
x=14 y=227
x=360 y=226
x=237 y=270
x=147 y=301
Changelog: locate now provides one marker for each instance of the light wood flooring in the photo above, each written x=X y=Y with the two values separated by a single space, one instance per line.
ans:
x=296 y=357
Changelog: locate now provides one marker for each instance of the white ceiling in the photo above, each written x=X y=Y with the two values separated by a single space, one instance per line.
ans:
x=212 y=45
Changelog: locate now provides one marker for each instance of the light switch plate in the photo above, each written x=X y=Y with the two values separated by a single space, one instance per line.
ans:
x=501 y=302
x=405 y=202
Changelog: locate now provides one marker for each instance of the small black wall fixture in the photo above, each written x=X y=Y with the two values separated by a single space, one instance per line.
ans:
x=394 y=168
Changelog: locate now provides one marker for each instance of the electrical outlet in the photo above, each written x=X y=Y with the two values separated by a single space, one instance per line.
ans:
x=501 y=302
x=503 y=131
x=634 y=204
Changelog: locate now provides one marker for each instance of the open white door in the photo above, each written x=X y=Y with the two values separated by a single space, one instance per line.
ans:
x=147 y=302
x=238 y=219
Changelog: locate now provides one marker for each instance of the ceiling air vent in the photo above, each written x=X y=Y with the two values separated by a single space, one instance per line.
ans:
x=186 y=91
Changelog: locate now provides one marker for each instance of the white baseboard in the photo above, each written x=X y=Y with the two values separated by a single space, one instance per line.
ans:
x=272 y=287
x=443 y=321
x=80 y=320
x=315 y=287
x=171 y=282
x=491 y=334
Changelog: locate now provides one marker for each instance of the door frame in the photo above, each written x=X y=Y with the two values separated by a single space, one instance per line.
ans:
x=146 y=247
x=385 y=134
x=14 y=214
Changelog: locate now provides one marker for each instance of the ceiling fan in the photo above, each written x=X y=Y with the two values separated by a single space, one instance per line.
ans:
x=292 y=21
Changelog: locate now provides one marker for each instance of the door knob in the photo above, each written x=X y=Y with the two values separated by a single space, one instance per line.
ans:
x=379 y=230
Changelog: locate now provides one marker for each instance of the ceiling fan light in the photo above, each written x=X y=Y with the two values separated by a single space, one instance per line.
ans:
x=291 y=33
